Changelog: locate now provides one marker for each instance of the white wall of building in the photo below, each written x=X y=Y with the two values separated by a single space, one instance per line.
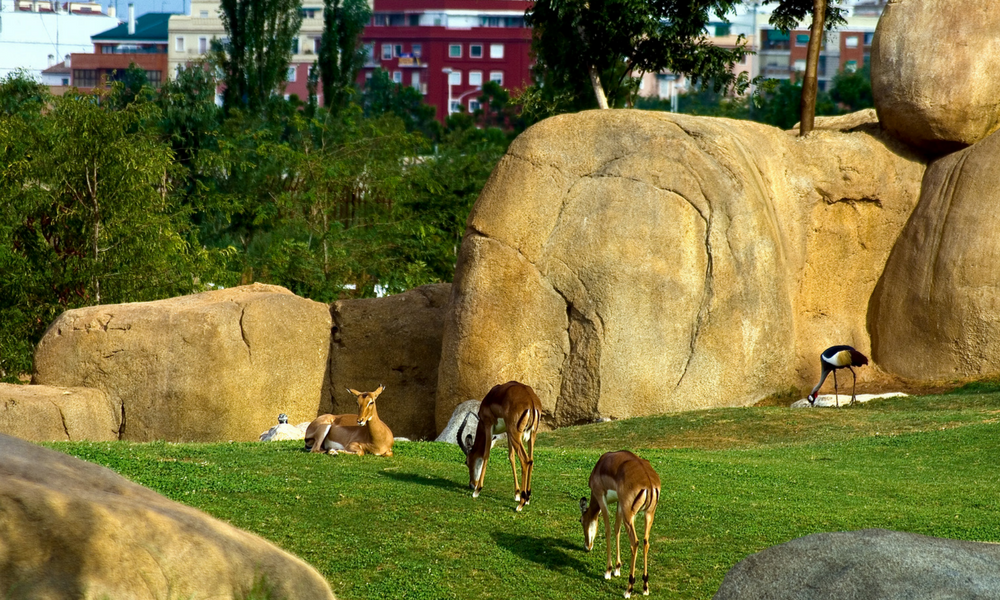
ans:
x=37 y=40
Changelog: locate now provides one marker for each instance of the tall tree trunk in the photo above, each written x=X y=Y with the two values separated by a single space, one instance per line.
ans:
x=595 y=80
x=810 y=84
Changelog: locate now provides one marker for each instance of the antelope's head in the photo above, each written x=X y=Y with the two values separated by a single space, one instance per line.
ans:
x=589 y=522
x=466 y=441
x=366 y=404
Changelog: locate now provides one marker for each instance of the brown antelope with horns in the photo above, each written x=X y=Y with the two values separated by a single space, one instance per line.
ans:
x=513 y=408
x=339 y=433
x=630 y=481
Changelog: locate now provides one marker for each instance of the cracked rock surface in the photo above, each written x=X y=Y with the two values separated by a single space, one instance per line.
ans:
x=625 y=263
x=214 y=366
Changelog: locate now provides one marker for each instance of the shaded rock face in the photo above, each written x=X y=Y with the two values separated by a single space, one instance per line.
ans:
x=935 y=311
x=627 y=262
x=873 y=564
x=395 y=341
x=934 y=72
x=71 y=529
x=43 y=413
x=213 y=366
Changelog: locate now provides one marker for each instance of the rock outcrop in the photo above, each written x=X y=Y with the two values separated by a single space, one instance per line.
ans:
x=207 y=367
x=44 y=413
x=933 y=66
x=934 y=314
x=395 y=341
x=873 y=564
x=70 y=529
x=627 y=262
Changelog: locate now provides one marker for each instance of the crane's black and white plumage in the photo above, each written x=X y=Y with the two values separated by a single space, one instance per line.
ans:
x=838 y=357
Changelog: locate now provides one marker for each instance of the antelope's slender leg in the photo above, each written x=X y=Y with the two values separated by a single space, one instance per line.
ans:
x=319 y=440
x=531 y=464
x=522 y=456
x=513 y=467
x=619 y=517
x=607 y=537
x=633 y=539
x=650 y=513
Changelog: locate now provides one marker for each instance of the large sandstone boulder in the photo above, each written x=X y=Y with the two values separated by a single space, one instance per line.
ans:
x=873 y=564
x=395 y=341
x=936 y=312
x=219 y=365
x=934 y=72
x=44 y=413
x=70 y=529
x=627 y=262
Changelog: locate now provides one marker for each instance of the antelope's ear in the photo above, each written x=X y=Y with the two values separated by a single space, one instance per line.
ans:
x=469 y=441
x=583 y=504
x=355 y=392
x=378 y=391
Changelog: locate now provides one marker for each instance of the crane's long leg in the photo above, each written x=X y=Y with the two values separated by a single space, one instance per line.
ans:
x=836 y=392
x=854 y=389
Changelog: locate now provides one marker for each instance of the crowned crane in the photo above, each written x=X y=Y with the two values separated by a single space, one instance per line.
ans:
x=838 y=357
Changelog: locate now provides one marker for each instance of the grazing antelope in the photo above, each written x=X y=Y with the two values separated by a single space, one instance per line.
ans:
x=833 y=358
x=513 y=408
x=630 y=481
x=359 y=434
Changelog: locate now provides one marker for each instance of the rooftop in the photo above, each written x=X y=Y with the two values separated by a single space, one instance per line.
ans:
x=150 y=27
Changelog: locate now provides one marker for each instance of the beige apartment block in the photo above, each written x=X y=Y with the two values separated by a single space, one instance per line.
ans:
x=191 y=35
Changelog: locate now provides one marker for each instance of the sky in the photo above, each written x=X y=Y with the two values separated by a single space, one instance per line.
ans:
x=144 y=6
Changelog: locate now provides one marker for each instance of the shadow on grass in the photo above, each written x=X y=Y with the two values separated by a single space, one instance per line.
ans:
x=550 y=552
x=431 y=480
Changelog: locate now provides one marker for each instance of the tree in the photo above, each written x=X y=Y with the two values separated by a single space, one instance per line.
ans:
x=255 y=58
x=340 y=52
x=382 y=95
x=852 y=90
x=588 y=53
x=825 y=16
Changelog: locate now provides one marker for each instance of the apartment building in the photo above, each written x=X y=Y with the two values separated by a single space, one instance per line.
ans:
x=140 y=41
x=447 y=49
x=39 y=34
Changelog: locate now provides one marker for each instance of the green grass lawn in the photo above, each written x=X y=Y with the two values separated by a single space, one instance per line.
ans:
x=735 y=481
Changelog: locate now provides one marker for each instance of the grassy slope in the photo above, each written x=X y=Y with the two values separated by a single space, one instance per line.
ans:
x=735 y=481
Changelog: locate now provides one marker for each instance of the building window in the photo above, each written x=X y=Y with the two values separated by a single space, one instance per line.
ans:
x=203 y=14
x=475 y=78
x=868 y=38
x=513 y=22
x=397 y=20
x=386 y=51
x=316 y=44
x=295 y=45
x=378 y=20
x=154 y=78
x=397 y=77
x=65 y=80
x=414 y=20
x=417 y=50
x=202 y=45
x=415 y=80
x=476 y=51
x=456 y=106
x=496 y=50
x=802 y=39
x=291 y=74
x=455 y=78
x=455 y=51
x=85 y=78
x=497 y=76
x=851 y=66
x=397 y=50
x=851 y=41
x=800 y=66
x=489 y=21
x=474 y=105
x=369 y=54
x=179 y=43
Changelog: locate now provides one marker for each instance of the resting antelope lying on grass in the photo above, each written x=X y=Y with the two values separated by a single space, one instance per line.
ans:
x=339 y=433
x=630 y=481
x=510 y=407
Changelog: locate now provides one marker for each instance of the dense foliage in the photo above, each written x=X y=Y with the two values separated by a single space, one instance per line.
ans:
x=133 y=194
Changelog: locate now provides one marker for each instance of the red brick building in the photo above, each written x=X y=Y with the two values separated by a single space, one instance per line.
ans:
x=142 y=41
x=447 y=49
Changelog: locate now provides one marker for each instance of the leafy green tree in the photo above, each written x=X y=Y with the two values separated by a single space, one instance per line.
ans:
x=588 y=53
x=189 y=116
x=497 y=110
x=255 y=59
x=381 y=95
x=852 y=90
x=340 y=52
x=87 y=216
x=825 y=16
